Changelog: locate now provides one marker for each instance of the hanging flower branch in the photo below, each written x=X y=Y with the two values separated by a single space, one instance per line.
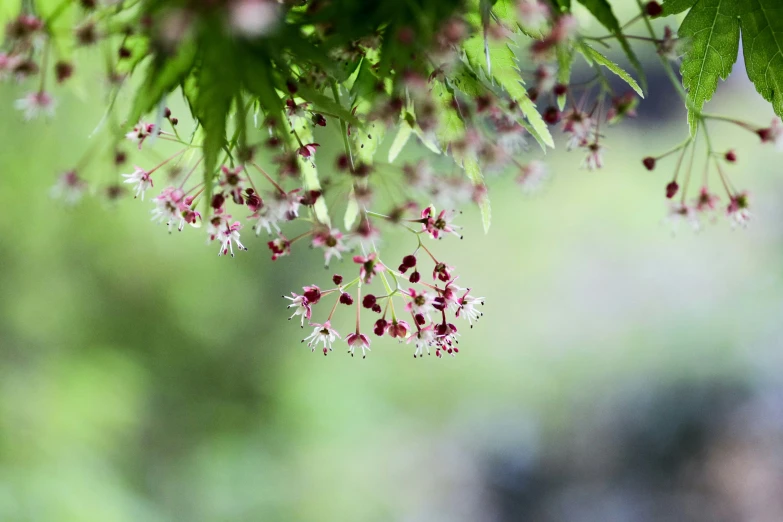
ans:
x=474 y=81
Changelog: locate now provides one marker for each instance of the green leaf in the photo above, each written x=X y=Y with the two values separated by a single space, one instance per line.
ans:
x=565 y=60
x=714 y=32
x=323 y=102
x=672 y=7
x=450 y=125
x=762 y=44
x=365 y=141
x=163 y=76
x=603 y=13
x=506 y=74
x=403 y=134
x=473 y=171
x=599 y=58
x=351 y=211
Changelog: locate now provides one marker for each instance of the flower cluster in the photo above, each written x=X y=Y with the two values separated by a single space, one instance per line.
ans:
x=265 y=80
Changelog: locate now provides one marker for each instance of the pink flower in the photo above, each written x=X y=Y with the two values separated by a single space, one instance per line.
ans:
x=358 y=340
x=579 y=126
x=679 y=213
x=532 y=176
x=737 y=209
x=140 y=132
x=69 y=187
x=253 y=18
x=307 y=151
x=706 y=201
x=465 y=306
x=370 y=266
x=331 y=241
x=231 y=181
x=301 y=307
x=420 y=302
x=169 y=206
x=399 y=329
x=595 y=157
x=35 y=104
x=221 y=229
x=423 y=339
x=322 y=333
x=437 y=226
x=773 y=134
x=280 y=247
x=141 y=178
x=533 y=14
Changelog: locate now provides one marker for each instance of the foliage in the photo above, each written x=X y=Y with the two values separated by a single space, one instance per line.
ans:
x=470 y=80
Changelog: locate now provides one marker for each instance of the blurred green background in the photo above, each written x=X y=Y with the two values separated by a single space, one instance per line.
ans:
x=144 y=378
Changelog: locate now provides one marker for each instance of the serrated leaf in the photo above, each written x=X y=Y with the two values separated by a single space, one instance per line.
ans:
x=450 y=125
x=762 y=44
x=673 y=7
x=506 y=74
x=400 y=139
x=602 y=11
x=351 y=212
x=163 y=76
x=365 y=142
x=473 y=171
x=714 y=33
x=321 y=101
x=616 y=69
x=565 y=60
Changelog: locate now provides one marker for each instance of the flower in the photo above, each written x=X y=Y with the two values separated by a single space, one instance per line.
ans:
x=533 y=14
x=622 y=107
x=773 y=134
x=595 y=157
x=280 y=247
x=532 y=176
x=307 y=151
x=680 y=212
x=737 y=210
x=465 y=306
x=579 y=126
x=35 y=104
x=420 y=302
x=301 y=307
x=141 y=178
x=253 y=18
x=331 y=241
x=231 y=180
x=436 y=226
x=706 y=201
x=370 y=265
x=358 y=340
x=140 y=132
x=399 y=329
x=222 y=230
x=69 y=187
x=169 y=205
x=322 y=333
x=266 y=220
x=423 y=339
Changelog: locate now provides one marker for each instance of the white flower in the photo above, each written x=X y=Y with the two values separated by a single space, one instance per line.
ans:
x=226 y=233
x=141 y=178
x=358 y=340
x=533 y=14
x=532 y=176
x=300 y=305
x=322 y=333
x=36 y=103
x=253 y=18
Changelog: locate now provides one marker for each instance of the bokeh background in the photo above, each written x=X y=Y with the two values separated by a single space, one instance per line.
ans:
x=621 y=372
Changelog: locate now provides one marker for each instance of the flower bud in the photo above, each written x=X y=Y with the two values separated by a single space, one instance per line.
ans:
x=671 y=189
x=649 y=162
